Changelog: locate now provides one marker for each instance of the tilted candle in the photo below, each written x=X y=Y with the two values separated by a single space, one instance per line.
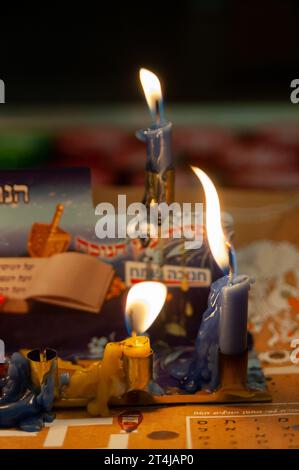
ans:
x=234 y=294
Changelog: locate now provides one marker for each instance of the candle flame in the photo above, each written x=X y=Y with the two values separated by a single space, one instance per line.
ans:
x=216 y=238
x=151 y=87
x=144 y=303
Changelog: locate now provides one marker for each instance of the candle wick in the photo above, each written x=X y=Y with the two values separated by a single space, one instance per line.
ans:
x=135 y=338
x=157 y=112
x=231 y=265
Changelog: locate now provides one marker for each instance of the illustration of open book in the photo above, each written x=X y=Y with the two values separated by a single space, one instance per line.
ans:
x=69 y=279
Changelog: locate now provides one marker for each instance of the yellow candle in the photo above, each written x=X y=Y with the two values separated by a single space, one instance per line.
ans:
x=112 y=380
x=136 y=346
x=127 y=365
x=137 y=362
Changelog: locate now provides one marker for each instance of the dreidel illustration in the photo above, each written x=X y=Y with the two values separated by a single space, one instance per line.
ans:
x=48 y=239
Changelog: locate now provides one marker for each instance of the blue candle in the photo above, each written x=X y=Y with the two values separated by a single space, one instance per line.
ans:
x=232 y=290
x=220 y=329
x=233 y=315
x=158 y=138
x=159 y=154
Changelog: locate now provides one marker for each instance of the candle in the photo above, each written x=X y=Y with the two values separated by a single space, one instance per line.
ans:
x=126 y=364
x=233 y=316
x=159 y=162
x=137 y=346
x=234 y=293
x=137 y=355
x=224 y=324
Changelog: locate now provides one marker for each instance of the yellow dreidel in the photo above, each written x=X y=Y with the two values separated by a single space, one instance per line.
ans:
x=48 y=239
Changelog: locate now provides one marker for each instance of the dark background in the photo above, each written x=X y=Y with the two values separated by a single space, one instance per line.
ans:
x=215 y=49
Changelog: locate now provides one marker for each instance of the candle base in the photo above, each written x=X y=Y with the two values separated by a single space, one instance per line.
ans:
x=169 y=186
x=233 y=371
x=154 y=193
x=151 y=188
x=236 y=386
x=233 y=388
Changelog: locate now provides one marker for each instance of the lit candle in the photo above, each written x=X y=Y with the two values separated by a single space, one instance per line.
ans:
x=144 y=303
x=126 y=364
x=159 y=164
x=232 y=289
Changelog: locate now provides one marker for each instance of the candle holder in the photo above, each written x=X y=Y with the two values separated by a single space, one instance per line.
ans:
x=155 y=186
x=240 y=382
x=212 y=371
x=159 y=183
x=126 y=367
x=169 y=186
x=151 y=188
x=41 y=363
x=236 y=386
x=233 y=371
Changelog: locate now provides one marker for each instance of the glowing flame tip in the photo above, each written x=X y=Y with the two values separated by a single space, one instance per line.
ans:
x=151 y=87
x=215 y=234
x=144 y=303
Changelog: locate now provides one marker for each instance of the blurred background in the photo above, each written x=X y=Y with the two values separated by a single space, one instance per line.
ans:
x=73 y=96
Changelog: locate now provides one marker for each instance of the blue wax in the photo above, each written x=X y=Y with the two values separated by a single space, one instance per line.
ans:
x=224 y=327
x=203 y=373
x=20 y=405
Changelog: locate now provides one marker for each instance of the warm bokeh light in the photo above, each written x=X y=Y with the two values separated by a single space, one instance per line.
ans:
x=215 y=234
x=144 y=303
x=151 y=87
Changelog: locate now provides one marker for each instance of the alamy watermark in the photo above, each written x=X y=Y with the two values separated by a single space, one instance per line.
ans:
x=2 y=351
x=294 y=96
x=158 y=220
x=2 y=91
x=295 y=354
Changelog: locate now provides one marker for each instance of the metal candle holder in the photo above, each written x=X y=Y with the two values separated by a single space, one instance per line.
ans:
x=233 y=388
x=40 y=365
x=153 y=183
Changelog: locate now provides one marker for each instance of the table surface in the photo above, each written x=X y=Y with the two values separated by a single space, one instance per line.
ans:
x=271 y=425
